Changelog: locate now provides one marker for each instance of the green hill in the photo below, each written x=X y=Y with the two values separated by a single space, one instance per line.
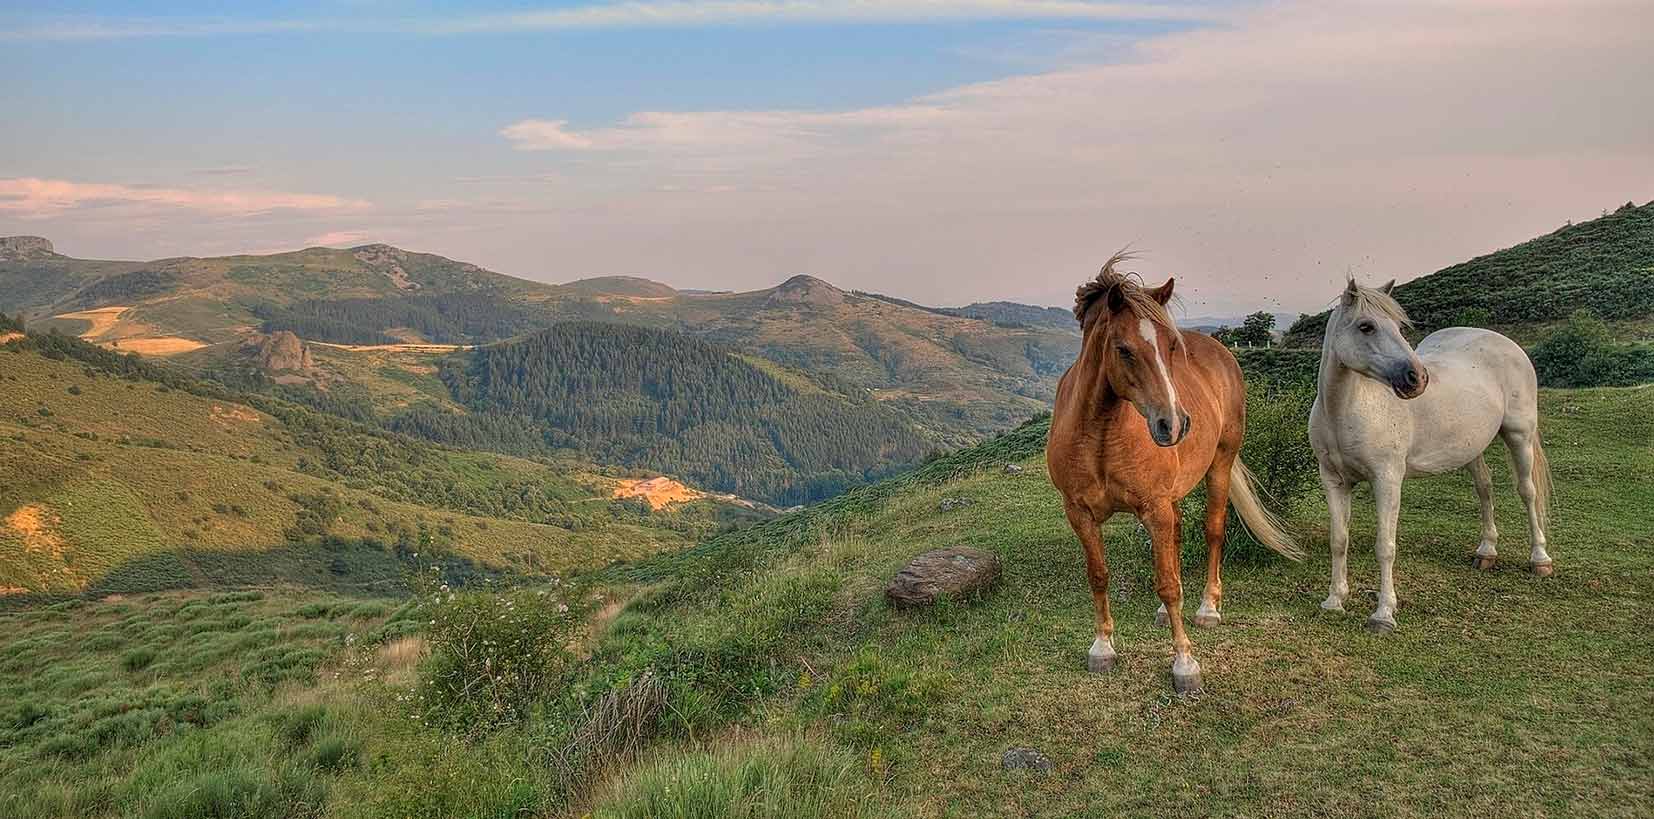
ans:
x=1605 y=265
x=122 y=476
x=954 y=378
x=674 y=403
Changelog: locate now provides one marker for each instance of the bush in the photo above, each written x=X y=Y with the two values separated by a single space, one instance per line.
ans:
x=1277 y=448
x=1278 y=452
x=493 y=655
x=1582 y=353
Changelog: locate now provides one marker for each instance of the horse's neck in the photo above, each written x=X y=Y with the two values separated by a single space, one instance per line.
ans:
x=1343 y=392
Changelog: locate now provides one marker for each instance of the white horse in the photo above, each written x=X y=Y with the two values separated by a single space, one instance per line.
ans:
x=1384 y=412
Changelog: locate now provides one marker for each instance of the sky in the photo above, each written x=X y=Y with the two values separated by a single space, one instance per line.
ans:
x=944 y=151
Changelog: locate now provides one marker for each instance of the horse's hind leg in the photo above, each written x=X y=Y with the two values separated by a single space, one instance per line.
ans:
x=1101 y=657
x=1528 y=460
x=1338 y=538
x=1163 y=523
x=1217 y=517
x=1487 y=552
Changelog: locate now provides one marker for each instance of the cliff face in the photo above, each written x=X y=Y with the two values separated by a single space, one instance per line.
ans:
x=282 y=351
x=25 y=248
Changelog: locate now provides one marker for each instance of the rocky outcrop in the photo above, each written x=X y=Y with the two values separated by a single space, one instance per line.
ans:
x=25 y=248
x=806 y=290
x=282 y=351
x=956 y=571
x=387 y=260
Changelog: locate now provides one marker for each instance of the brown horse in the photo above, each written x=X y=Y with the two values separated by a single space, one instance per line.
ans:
x=1140 y=419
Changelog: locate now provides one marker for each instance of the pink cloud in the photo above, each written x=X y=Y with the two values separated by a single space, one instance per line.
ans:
x=338 y=238
x=39 y=198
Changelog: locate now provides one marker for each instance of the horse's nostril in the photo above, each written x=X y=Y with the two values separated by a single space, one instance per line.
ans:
x=1163 y=428
x=1412 y=377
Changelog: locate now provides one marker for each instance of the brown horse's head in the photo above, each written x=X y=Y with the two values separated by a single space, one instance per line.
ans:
x=1139 y=345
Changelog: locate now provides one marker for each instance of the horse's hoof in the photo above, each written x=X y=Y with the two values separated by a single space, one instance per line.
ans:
x=1186 y=676
x=1541 y=569
x=1161 y=618
x=1208 y=619
x=1102 y=663
x=1483 y=562
x=1332 y=604
x=1377 y=626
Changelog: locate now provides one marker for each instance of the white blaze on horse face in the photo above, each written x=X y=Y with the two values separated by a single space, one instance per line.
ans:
x=1146 y=328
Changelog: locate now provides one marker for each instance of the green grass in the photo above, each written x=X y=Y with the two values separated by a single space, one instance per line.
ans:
x=1500 y=691
x=791 y=688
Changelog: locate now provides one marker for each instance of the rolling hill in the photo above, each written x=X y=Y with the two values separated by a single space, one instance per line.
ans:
x=955 y=378
x=1605 y=265
x=121 y=476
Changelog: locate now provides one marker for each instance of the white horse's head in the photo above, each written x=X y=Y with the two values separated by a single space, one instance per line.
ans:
x=1364 y=335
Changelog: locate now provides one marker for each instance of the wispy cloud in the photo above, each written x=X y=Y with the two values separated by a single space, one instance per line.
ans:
x=30 y=197
x=642 y=14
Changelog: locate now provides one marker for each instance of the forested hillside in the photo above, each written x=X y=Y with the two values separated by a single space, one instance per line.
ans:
x=1605 y=266
x=673 y=403
x=120 y=475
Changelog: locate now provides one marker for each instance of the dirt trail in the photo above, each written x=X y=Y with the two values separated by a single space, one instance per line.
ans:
x=407 y=347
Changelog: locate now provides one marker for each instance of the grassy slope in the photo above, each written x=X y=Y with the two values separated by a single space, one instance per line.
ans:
x=796 y=691
x=1606 y=265
x=1498 y=690
x=141 y=485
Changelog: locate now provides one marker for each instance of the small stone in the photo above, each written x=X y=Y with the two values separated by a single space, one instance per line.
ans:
x=952 y=572
x=1013 y=469
x=950 y=504
x=1025 y=759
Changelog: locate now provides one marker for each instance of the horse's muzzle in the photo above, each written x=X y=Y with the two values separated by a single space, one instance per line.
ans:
x=1410 y=382
x=1161 y=430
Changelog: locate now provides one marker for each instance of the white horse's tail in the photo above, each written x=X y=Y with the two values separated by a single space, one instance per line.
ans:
x=1541 y=482
x=1262 y=523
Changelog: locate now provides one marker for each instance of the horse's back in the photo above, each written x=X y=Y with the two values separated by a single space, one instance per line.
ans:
x=1480 y=383
x=1475 y=355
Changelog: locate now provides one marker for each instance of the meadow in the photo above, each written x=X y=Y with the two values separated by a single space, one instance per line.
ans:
x=762 y=674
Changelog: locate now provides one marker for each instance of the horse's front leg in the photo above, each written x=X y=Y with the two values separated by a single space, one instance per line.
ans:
x=1087 y=527
x=1338 y=538
x=1163 y=524
x=1387 y=494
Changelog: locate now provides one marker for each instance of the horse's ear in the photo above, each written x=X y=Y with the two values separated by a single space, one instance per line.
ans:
x=1163 y=293
x=1388 y=287
x=1350 y=292
x=1116 y=298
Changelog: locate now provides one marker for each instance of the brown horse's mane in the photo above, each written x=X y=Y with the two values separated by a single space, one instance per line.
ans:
x=1127 y=287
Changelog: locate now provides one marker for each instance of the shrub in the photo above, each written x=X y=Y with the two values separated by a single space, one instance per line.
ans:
x=138 y=659
x=1278 y=452
x=493 y=655
x=1582 y=353
x=1277 y=448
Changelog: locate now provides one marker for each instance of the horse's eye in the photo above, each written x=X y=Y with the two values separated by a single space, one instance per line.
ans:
x=1365 y=327
x=1125 y=352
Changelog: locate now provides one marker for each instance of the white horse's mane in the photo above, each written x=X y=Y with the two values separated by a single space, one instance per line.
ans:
x=1361 y=300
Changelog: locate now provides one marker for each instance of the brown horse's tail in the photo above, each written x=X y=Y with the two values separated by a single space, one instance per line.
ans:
x=1541 y=482
x=1262 y=523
